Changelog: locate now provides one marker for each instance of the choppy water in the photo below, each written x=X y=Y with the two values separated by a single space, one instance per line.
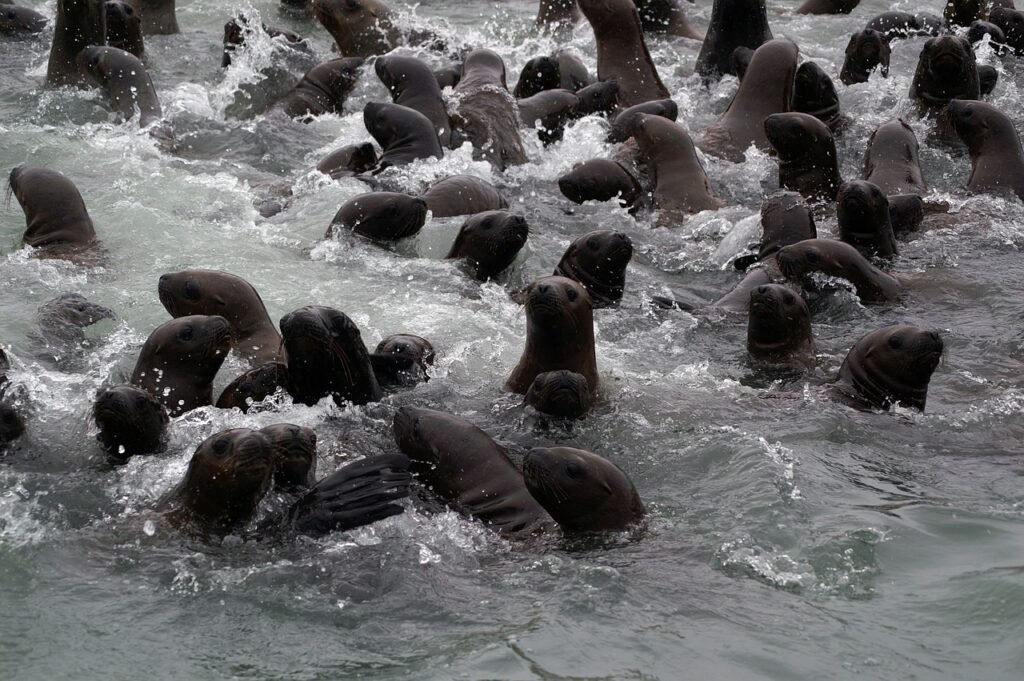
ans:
x=789 y=538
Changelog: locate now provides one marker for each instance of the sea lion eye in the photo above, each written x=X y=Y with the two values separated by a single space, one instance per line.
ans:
x=592 y=244
x=571 y=294
x=186 y=333
x=573 y=469
x=191 y=289
x=220 y=446
x=895 y=342
x=140 y=401
x=789 y=299
x=812 y=256
x=538 y=382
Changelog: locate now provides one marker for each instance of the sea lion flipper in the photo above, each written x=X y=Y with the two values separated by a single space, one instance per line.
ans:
x=355 y=495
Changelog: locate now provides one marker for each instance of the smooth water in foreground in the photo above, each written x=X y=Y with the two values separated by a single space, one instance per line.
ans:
x=789 y=537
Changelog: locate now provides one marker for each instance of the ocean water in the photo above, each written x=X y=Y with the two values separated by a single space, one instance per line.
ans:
x=789 y=537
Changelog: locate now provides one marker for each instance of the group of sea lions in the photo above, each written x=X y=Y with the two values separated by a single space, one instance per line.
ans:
x=782 y=106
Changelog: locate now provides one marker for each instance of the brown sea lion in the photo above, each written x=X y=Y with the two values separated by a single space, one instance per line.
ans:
x=352 y=159
x=892 y=161
x=381 y=216
x=1011 y=22
x=838 y=259
x=254 y=386
x=766 y=89
x=814 y=93
x=946 y=70
x=79 y=24
x=360 y=28
x=622 y=54
x=600 y=179
x=551 y=72
x=211 y=292
x=827 y=6
x=896 y=24
x=405 y=135
x=56 y=219
x=124 y=28
x=806 y=152
x=679 y=184
x=598 y=261
x=294 y=456
x=411 y=83
x=323 y=89
x=666 y=16
x=779 y=327
x=402 y=359
x=62 y=320
x=549 y=111
x=992 y=142
x=559 y=333
x=468 y=470
x=977 y=31
x=622 y=126
x=600 y=98
x=489 y=243
x=462 y=195
x=866 y=51
x=864 y=219
x=125 y=80
x=131 y=422
x=734 y=23
x=582 y=491
x=785 y=219
x=890 y=366
x=562 y=394
x=486 y=112
x=180 y=359
x=158 y=16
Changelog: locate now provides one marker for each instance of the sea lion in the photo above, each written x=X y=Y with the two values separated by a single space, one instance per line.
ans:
x=582 y=491
x=1011 y=22
x=468 y=470
x=992 y=142
x=381 y=216
x=838 y=259
x=785 y=219
x=294 y=456
x=180 y=359
x=622 y=126
x=598 y=261
x=254 y=386
x=237 y=30
x=124 y=28
x=963 y=12
x=906 y=212
x=211 y=292
x=231 y=471
x=600 y=179
x=666 y=16
x=559 y=333
x=327 y=357
x=562 y=394
x=892 y=161
x=158 y=16
x=360 y=28
x=827 y=6
x=352 y=159
x=931 y=24
x=558 y=71
x=411 y=84
x=462 y=195
x=61 y=324
x=866 y=51
x=125 y=80
x=486 y=111
x=779 y=327
x=814 y=93
x=402 y=359
x=806 y=152
x=20 y=21
x=557 y=15
x=946 y=70
x=734 y=23
x=766 y=89
x=679 y=183
x=890 y=366
x=130 y=421
x=56 y=219
x=489 y=242
x=600 y=98
x=323 y=89
x=548 y=112
x=448 y=76
x=622 y=54
x=864 y=219
x=405 y=135
x=979 y=29
x=79 y=24
x=12 y=423
x=894 y=24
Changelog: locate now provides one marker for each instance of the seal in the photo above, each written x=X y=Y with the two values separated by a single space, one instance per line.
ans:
x=125 y=80
x=180 y=359
x=680 y=186
x=381 y=216
x=779 y=327
x=462 y=195
x=827 y=6
x=814 y=93
x=946 y=70
x=486 y=111
x=211 y=292
x=734 y=23
x=598 y=261
x=562 y=394
x=552 y=72
x=866 y=51
x=158 y=16
x=489 y=242
x=402 y=359
x=582 y=491
x=327 y=357
x=360 y=28
x=622 y=126
x=448 y=76
x=323 y=89
x=666 y=16
x=411 y=84
x=1011 y=23
x=558 y=16
x=892 y=159
x=56 y=220
x=548 y=112
x=600 y=179
x=405 y=135
x=468 y=470
x=992 y=142
x=254 y=386
x=61 y=323
x=124 y=28
x=864 y=220
x=890 y=366
x=622 y=54
x=559 y=333
x=839 y=259
x=767 y=88
x=231 y=471
x=79 y=24
x=806 y=152
x=131 y=422
x=294 y=456
x=20 y=21
x=353 y=159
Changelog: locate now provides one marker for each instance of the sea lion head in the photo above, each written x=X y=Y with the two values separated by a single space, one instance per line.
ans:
x=16 y=20
x=552 y=302
x=197 y=344
x=359 y=27
x=294 y=456
x=622 y=126
x=381 y=216
x=101 y=63
x=408 y=346
x=864 y=220
x=893 y=366
x=253 y=386
x=417 y=431
x=814 y=92
x=598 y=98
x=1008 y=19
x=827 y=256
x=207 y=292
x=334 y=80
x=785 y=219
x=55 y=212
x=131 y=421
x=779 y=321
x=599 y=179
x=582 y=491
x=562 y=393
x=598 y=260
x=946 y=70
x=979 y=29
x=539 y=74
x=866 y=50
x=397 y=73
x=490 y=241
x=488 y=64
x=73 y=309
x=795 y=135
x=979 y=124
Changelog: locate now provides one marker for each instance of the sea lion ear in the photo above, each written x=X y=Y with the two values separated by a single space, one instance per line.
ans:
x=218 y=299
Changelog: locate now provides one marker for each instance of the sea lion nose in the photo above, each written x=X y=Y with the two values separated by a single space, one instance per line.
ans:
x=934 y=335
x=762 y=289
x=543 y=288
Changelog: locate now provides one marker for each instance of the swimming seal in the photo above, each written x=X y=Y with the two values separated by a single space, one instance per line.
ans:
x=827 y=6
x=489 y=242
x=402 y=359
x=411 y=84
x=582 y=491
x=734 y=23
x=294 y=456
x=486 y=111
x=993 y=144
x=462 y=195
x=666 y=16
x=327 y=357
x=600 y=179
x=839 y=259
x=679 y=184
x=814 y=93
x=254 y=386
x=767 y=88
x=405 y=135
x=131 y=422
x=896 y=24
x=124 y=28
x=180 y=359
x=892 y=160
x=158 y=16
x=779 y=327
x=79 y=24
x=890 y=366
x=381 y=216
x=866 y=51
x=559 y=333
x=562 y=394
x=323 y=89
x=56 y=219
x=977 y=31
x=468 y=470
x=946 y=70
x=360 y=28
x=20 y=21
x=353 y=159
x=61 y=322
x=125 y=80
x=622 y=54
x=598 y=261
x=785 y=219
x=864 y=219
x=211 y=292
x=806 y=152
